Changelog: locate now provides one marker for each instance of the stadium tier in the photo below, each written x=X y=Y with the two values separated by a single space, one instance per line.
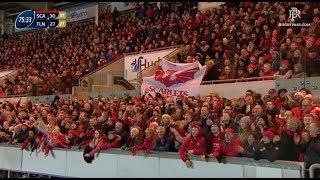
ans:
x=207 y=88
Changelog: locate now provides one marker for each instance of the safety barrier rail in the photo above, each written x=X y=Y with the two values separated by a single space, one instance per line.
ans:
x=117 y=163
x=239 y=80
x=312 y=169
x=152 y=50
x=35 y=99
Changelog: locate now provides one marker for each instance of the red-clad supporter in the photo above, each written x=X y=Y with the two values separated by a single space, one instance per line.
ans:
x=64 y=115
x=215 y=141
x=54 y=139
x=231 y=146
x=112 y=141
x=147 y=144
x=193 y=144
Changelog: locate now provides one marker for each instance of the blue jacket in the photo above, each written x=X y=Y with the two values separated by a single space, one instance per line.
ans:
x=162 y=144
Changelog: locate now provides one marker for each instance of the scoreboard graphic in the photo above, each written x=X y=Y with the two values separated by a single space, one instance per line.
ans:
x=41 y=19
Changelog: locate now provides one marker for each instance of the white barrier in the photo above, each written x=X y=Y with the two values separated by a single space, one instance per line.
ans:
x=35 y=99
x=10 y=158
x=230 y=90
x=117 y=163
x=45 y=165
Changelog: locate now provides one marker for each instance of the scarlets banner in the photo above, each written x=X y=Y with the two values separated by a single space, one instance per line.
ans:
x=174 y=79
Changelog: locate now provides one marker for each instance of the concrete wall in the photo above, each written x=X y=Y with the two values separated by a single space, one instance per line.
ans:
x=117 y=163
x=36 y=99
x=237 y=89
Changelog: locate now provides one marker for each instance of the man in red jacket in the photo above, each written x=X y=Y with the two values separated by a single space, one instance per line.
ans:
x=306 y=108
x=147 y=144
x=111 y=142
x=231 y=146
x=193 y=144
x=215 y=140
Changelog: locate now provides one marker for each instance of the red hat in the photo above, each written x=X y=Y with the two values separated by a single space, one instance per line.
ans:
x=317 y=42
x=27 y=123
x=73 y=132
x=51 y=117
x=268 y=134
x=228 y=131
x=267 y=58
x=69 y=121
x=251 y=66
x=227 y=54
x=316 y=111
x=309 y=40
x=198 y=128
x=286 y=62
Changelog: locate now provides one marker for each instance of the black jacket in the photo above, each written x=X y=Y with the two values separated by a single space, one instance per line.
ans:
x=311 y=151
x=288 y=150
x=162 y=144
x=132 y=142
x=269 y=151
x=205 y=128
x=212 y=74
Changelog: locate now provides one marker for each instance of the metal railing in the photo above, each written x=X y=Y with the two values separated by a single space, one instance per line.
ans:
x=34 y=99
x=312 y=169
x=152 y=50
x=239 y=80
x=16 y=96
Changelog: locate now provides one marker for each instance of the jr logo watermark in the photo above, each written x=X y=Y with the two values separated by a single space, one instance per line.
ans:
x=294 y=13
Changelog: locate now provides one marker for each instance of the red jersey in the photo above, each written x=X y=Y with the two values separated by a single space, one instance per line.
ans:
x=147 y=145
x=215 y=143
x=230 y=149
x=196 y=144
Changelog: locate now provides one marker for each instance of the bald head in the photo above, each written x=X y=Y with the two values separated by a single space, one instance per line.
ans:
x=257 y=110
x=134 y=132
x=314 y=129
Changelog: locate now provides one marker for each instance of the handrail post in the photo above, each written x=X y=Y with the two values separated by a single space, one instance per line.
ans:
x=312 y=168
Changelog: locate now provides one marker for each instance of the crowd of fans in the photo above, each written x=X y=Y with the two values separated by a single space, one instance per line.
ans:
x=247 y=41
x=235 y=41
x=278 y=126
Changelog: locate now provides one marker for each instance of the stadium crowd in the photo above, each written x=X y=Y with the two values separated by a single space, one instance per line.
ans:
x=237 y=40
x=280 y=125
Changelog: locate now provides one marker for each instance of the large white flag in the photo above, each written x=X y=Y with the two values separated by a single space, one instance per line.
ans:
x=173 y=79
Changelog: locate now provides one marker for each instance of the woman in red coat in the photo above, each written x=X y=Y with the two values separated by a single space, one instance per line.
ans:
x=112 y=142
x=55 y=139
x=147 y=144
x=193 y=144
